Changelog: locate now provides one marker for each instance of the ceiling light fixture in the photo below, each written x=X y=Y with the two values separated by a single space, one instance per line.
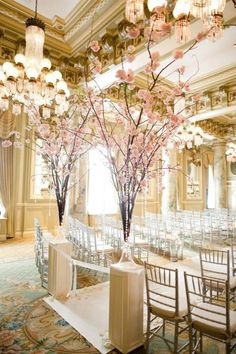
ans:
x=189 y=135
x=29 y=80
x=231 y=152
x=209 y=11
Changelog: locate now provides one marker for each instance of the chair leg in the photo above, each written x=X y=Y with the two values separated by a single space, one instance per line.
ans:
x=191 y=339
x=227 y=347
x=163 y=328
x=201 y=345
x=148 y=331
x=176 y=337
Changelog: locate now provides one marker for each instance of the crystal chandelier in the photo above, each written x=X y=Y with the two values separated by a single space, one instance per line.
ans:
x=189 y=135
x=134 y=10
x=231 y=152
x=209 y=11
x=30 y=79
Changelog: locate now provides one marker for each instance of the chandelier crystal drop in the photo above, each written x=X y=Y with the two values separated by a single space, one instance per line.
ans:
x=30 y=79
x=182 y=23
x=209 y=11
x=200 y=8
x=134 y=10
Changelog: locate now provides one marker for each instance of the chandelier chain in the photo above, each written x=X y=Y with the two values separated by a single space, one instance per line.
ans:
x=36 y=9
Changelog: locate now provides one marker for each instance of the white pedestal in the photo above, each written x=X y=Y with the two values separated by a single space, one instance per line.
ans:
x=126 y=306
x=59 y=268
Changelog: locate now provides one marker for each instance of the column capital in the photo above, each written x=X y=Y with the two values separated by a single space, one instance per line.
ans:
x=219 y=144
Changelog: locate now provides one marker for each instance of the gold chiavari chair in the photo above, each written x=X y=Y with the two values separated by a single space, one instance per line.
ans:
x=209 y=312
x=164 y=303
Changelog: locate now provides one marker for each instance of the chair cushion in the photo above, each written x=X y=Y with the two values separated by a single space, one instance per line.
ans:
x=167 y=312
x=207 y=326
x=105 y=249
x=232 y=282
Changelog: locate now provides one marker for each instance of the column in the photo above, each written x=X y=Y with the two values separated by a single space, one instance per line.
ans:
x=169 y=181
x=220 y=175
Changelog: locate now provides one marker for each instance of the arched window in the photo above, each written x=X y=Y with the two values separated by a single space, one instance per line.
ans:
x=101 y=192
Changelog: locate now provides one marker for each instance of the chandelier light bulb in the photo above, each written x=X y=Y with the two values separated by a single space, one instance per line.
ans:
x=57 y=75
x=182 y=8
x=12 y=72
x=217 y=6
x=7 y=66
x=2 y=76
x=46 y=64
x=20 y=59
x=61 y=86
x=50 y=79
x=32 y=73
x=152 y=4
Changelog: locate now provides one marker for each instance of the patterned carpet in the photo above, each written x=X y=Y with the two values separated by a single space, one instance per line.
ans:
x=29 y=325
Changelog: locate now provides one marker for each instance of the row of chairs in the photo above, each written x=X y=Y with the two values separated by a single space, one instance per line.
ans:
x=88 y=244
x=41 y=253
x=99 y=245
x=204 y=309
x=165 y=233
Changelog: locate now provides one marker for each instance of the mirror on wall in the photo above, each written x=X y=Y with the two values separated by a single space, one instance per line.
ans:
x=193 y=179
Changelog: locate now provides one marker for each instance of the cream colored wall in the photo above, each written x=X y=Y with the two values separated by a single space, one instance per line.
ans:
x=231 y=186
x=27 y=208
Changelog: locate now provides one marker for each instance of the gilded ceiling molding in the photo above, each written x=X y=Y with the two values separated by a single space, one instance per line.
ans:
x=214 y=128
x=89 y=14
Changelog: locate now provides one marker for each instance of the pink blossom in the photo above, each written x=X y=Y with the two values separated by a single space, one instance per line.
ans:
x=127 y=76
x=121 y=74
x=6 y=143
x=130 y=58
x=196 y=97
x=131 y=49
x=44 y=130
x=182 y=70
x=152 y=35
x=133 y=32
x=95 y=67
x=201 y=36
x=18 y=145
x=153 y=117
x=94 y=46
x=155 y=56
x=166 y=27
x=178 y=54
x=187 y=86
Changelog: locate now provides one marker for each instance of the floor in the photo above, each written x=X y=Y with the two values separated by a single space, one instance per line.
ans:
x=17 y=261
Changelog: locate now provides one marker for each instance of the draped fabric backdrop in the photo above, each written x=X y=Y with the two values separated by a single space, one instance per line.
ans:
x=7 y=194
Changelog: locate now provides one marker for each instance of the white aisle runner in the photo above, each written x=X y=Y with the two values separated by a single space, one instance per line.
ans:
x=88 y=313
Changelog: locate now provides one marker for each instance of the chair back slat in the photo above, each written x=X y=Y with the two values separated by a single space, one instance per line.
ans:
x=162 y=287
x=208 y=301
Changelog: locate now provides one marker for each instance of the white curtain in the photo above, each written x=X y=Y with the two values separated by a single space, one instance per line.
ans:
x=7 y=195
x=102 y=198
x=7 y=124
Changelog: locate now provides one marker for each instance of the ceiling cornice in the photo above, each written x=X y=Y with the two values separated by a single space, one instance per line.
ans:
x=94 y=24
